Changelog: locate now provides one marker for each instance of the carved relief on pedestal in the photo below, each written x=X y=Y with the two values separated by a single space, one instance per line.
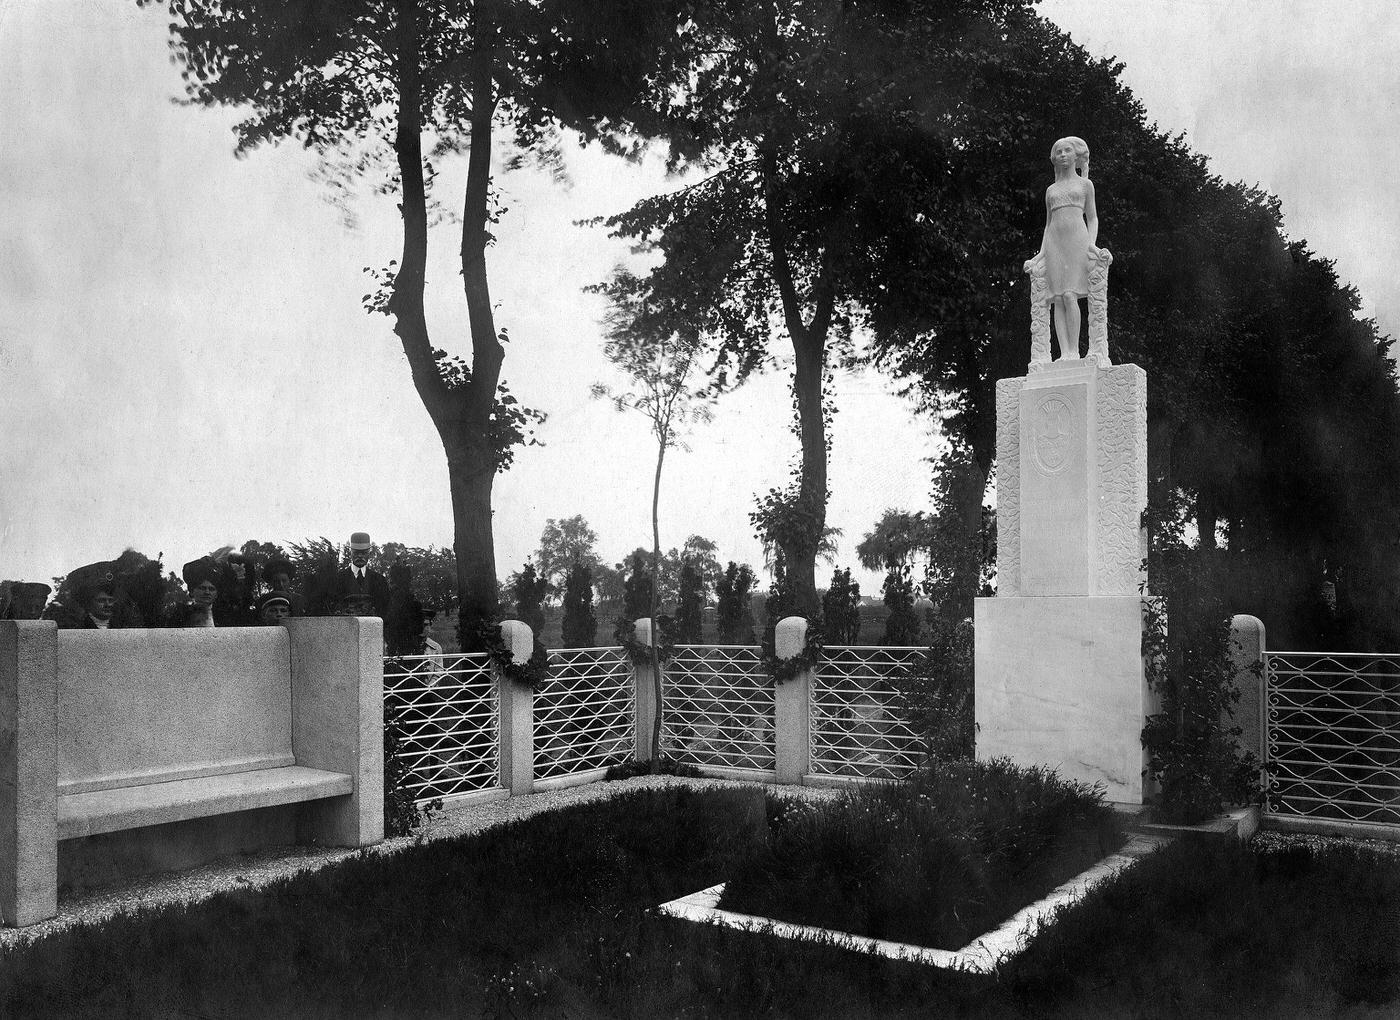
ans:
x=1009 y=487
x=1055 y=428
x=1098 y=306
x=1121 y=412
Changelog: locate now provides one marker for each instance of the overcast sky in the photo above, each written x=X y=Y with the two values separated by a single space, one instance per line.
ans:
x=184 y=361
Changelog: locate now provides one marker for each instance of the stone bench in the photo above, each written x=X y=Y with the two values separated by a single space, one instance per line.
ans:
x=161 y=748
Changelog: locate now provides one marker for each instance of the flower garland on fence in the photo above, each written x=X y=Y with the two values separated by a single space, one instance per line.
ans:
x=783 y=670
x=532 y=672
x=625 y=634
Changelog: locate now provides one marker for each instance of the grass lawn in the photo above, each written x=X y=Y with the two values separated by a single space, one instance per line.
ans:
x=935 y=861
x=554 y=916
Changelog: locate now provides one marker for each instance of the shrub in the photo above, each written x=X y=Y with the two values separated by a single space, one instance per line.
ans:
x=401 y=815
x=530 y=591
x=734 y=611
x=841 y=609
x=580 y=626
x=933 y=861
x=902 y=625
x=690 y=606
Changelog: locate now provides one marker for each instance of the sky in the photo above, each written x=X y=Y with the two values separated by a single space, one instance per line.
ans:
x=185 y=362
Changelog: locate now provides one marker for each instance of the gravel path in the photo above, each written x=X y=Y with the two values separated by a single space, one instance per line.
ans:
x=251 y=871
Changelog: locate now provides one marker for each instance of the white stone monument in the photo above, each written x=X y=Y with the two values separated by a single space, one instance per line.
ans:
x=1059 y=669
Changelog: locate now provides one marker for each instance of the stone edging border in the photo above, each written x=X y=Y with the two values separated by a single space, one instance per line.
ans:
x=981 y=956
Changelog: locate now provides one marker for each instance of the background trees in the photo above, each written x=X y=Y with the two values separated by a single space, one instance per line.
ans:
x=382 y=90
x=810 y=121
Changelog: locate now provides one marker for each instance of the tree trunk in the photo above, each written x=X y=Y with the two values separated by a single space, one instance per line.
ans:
x=461 y=414
x=807 y=385
x=656 y=681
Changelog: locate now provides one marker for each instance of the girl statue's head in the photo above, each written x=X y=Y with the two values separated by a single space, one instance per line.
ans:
x=1081 y=153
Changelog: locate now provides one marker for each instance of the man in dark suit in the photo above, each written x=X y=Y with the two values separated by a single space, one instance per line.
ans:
x=360 y=579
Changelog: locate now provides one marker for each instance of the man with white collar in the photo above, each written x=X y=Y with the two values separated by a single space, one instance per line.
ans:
x=360 y=579
x=98 y=601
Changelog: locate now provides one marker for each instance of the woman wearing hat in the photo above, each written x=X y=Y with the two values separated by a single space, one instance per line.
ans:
x=202 y=579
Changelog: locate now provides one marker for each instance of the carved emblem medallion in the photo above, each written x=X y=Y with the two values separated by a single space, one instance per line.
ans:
x=1052 y=434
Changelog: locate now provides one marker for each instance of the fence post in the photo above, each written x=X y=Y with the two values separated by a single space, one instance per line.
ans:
x=644 y=689
x=517 y=708
x=792 y=706
x=1247 y=662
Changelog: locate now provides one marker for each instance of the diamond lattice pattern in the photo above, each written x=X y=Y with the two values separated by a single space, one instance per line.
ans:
x=446 y=708
x=719 y=708
x=584 y=713
x=858 y=726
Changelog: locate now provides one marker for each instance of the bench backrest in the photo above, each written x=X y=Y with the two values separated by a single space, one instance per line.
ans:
x=151 y=706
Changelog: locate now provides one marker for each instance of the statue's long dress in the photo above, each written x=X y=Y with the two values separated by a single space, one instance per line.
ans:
x=1067 y=242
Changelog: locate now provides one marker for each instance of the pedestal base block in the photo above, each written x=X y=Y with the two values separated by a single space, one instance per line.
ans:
x=1060 y=682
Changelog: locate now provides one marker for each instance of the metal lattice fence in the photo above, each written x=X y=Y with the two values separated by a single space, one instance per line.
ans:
x=445 y=707
x=719 y=708
x=584 y=717
x=857 y=724
x=1332 y=743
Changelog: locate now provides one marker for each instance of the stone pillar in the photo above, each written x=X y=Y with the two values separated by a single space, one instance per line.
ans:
x=517 y=708
x=28 y=771
x=338 y=722
x=1060 y=678
x=1247 y=661
x=792 y=706
x=644 y=694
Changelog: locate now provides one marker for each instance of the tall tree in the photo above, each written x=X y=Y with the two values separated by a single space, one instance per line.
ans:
x=802 y=114
x=382 y=90
x=658 y=356
x=564 y=544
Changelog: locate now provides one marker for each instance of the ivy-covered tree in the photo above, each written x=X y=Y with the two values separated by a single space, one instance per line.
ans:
x=690 y=606
x=841 y=609
x=384 y=92
x=580 y=627
x=733 y=606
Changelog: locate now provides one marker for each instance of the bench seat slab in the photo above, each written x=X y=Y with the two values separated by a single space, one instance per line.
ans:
x=89 y=814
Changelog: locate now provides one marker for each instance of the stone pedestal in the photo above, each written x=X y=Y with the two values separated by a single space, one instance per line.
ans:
x=1059 y=670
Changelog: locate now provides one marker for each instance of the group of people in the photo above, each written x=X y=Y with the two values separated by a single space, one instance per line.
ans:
x=222 y=589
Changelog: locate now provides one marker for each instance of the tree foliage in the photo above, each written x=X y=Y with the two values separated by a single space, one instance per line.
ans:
x=565 y=544
x=812 y=124
x=580 y=625
x=690 y=605
x=841 y=609
x=734 y=613
x=530 y=591
x=384 y=92
x=902 y=623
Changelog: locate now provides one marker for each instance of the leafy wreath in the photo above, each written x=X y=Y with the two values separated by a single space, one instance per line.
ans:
x=532 y=672
x=625 y=634
x=783 y=670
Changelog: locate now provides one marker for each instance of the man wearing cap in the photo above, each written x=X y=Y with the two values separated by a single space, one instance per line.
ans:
x=278 y=576
x=273 y=608
x=360 y=579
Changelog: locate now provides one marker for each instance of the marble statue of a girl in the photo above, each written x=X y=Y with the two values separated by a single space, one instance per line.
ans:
x=1067 y=247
